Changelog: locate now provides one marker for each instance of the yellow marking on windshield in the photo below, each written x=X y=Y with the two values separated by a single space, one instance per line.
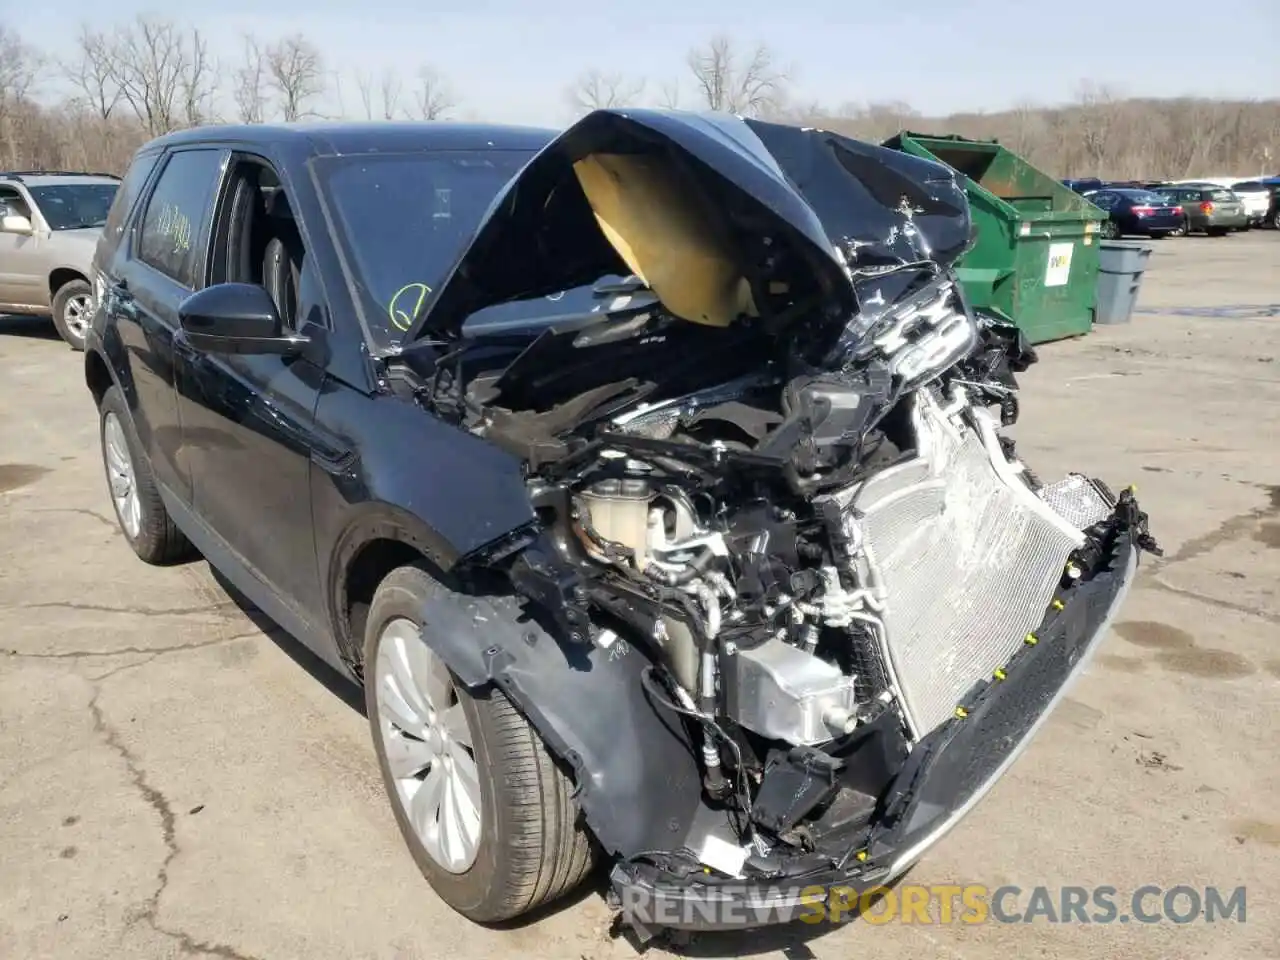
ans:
x=399 y=308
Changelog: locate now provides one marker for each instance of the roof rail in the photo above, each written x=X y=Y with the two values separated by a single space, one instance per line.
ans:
x=19 y=174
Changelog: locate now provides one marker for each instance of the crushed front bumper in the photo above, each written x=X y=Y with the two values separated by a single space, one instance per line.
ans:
x=947 y=774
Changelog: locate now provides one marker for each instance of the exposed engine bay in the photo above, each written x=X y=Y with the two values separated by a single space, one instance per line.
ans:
x=806 y=521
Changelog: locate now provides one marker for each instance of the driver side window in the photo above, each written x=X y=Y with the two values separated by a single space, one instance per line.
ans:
x=12 y=199
x=257 y=238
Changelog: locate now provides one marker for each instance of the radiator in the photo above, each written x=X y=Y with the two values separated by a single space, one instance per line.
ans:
x=964 y=556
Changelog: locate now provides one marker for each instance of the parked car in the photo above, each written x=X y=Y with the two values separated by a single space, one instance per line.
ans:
x=1272 y=218
x=1141 y=212
x=1083 y=184
x=1212 y=210
x=578 y=454
x=1256 y=197
x=49 y=225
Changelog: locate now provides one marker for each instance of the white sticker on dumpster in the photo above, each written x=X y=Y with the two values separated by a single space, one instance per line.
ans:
x=1059 y=268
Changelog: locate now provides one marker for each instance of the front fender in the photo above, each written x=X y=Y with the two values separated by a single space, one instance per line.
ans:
x=639 y=786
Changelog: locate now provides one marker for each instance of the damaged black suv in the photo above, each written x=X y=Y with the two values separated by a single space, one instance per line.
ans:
x=649 y=478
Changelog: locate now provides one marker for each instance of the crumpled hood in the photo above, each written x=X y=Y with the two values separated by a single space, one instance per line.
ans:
x=693 y=204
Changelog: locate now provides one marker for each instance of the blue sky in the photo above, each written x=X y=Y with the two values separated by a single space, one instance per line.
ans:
x=511 y=61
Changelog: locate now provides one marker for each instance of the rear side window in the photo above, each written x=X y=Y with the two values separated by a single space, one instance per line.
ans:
x=127 y=195
x=1221 y=195
x=173 y=227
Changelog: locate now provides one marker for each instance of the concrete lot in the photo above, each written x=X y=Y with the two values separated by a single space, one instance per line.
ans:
x=174 y=781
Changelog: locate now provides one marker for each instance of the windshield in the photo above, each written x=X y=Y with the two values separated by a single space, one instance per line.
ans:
x=75 y=206
x=403 y=219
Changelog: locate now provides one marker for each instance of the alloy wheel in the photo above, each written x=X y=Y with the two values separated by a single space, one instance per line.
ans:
x=427 y=741
x=121 y=476
x=77 y=314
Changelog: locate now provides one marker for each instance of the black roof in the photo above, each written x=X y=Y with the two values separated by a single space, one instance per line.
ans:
x=361 y=137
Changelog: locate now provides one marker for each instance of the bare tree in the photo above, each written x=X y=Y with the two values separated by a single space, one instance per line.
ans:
x=1098 y=115
x=727 y=80
x=162 y=73
x=249 y=81
x=90 y=72
x=198 y=82
x=595 y=90
x=432 y=99
x=381 y=100
x=364 y=84
x=669 y=95
x=20 y=66
x=296 y=75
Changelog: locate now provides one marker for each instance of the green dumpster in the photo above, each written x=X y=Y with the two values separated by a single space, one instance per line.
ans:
x=1035 y=258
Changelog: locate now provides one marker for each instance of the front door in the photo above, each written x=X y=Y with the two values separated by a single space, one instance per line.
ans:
x=24 y=277
x=248 y=420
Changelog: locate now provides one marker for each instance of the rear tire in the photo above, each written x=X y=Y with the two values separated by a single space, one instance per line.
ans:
x=73 y=311
x=1109 y=230
x=1215 y=231
x=532 y=847
x=140 y=511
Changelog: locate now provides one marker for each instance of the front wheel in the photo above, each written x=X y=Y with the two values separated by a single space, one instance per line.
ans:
x=485 y=810
x=73 y=311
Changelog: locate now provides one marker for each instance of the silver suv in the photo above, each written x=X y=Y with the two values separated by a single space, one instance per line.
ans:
x=49 y=226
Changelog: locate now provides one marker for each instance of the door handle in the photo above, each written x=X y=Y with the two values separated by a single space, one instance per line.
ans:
x=123 y=301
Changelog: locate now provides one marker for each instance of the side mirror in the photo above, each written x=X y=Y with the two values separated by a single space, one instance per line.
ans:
x=13 y=222
x=236 y=318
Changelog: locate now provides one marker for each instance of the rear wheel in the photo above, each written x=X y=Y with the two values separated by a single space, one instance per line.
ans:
x=1181 y=231
x=485 y=810
x=1215 y=231
x=73 y=311
x=143 y=519
x=1109 y=230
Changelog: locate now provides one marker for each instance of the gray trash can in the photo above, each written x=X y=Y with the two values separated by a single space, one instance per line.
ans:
x=1121 y=264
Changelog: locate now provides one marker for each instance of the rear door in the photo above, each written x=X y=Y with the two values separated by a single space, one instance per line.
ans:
x=159 y=264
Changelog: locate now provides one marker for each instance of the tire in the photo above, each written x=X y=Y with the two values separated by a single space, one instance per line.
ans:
x=532 y=847
x=1109 y=230
x=1275 y=220
x=72 y=312
x=1215 y=231
x=1182 y=230
x=143 y=520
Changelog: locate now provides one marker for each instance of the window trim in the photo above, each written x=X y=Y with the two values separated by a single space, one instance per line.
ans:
x=201 y=271
x=156 y=158
x=240 y=154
